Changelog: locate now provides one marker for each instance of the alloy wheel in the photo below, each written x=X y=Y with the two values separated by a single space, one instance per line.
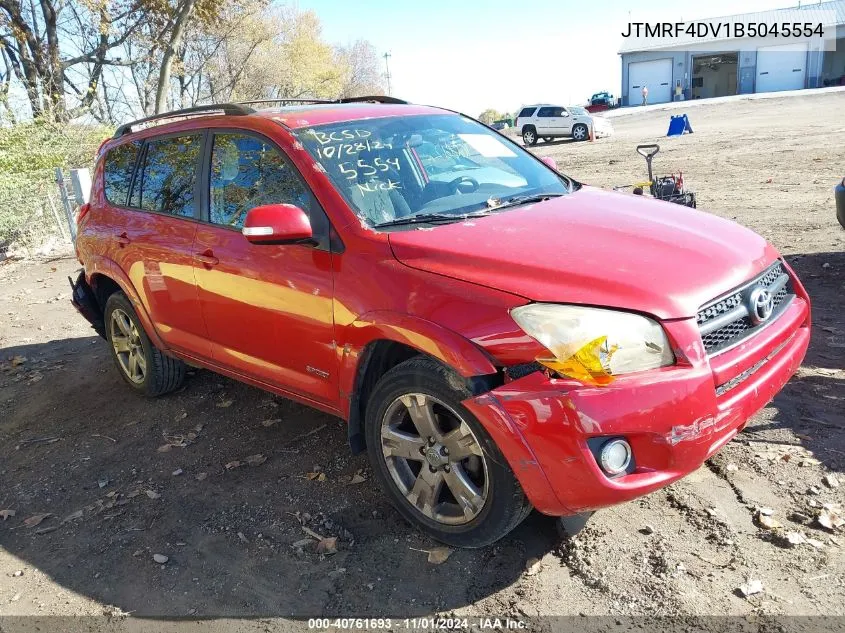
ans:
x=128 y=347
x=579 y=133
x=434 y=459
x=528 y=137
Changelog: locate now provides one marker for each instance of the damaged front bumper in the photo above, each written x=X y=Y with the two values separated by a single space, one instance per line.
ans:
x=85 y=301
x=674 y=418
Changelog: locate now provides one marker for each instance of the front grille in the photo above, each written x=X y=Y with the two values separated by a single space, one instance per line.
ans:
x=731 y=318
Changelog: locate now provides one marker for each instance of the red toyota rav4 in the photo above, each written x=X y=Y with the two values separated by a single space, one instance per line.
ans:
x=498 y=336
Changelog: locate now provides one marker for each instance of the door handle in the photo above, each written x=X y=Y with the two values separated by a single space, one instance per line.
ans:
x=207 y=258
x=123 y=239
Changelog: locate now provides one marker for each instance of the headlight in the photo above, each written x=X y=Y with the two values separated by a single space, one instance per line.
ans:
x=593 y=345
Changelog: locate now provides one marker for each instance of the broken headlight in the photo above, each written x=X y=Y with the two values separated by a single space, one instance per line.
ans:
x=594 y=345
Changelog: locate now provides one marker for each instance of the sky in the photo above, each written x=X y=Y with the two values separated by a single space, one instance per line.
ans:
x=470 y=55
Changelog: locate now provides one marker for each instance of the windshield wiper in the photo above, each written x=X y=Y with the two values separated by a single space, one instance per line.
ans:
x=430 y=218
x=495 y=204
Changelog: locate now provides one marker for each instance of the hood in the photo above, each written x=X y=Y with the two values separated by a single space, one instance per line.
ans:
x=598 y=248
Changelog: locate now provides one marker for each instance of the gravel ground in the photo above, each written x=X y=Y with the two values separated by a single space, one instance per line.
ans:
x=123 y=479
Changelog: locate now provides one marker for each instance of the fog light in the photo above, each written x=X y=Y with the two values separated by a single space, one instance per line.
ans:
x=615 y=457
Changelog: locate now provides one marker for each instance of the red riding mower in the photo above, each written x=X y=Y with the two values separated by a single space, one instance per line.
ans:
x=668 y=188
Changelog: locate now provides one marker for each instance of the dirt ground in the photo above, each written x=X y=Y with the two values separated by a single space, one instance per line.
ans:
x=77 y=445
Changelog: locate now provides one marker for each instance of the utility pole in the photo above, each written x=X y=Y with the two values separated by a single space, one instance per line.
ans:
x=387 y=71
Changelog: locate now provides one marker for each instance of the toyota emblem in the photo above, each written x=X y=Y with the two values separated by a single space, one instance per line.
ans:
x=761 y=304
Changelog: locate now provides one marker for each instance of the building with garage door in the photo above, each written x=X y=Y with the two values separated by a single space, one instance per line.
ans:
x=715 y=66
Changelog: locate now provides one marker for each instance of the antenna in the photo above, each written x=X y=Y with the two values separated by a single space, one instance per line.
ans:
x=387 y=71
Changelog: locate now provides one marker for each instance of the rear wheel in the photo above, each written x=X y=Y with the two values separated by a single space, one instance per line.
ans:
x=529 y=135
x=580 y=132
x=435 y=461
x=141 y=365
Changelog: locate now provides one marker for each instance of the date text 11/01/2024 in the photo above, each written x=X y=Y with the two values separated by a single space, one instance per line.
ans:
x=703 y=30
x=419 y=624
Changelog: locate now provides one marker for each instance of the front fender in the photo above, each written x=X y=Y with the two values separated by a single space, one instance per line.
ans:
x=100 y=265
x=447 y=346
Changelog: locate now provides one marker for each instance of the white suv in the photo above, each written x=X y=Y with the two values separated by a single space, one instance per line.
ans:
x=550 y=121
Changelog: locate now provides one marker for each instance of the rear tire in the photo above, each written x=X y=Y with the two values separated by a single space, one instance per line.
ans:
x=434 y=459
x=529 y=135
x=548 y=139
x=141 y=365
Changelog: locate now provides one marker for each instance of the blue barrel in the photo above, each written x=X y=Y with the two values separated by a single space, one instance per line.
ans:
x=840 y=202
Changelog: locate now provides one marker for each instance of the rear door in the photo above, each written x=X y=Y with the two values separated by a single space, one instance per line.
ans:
x=154 y=232
x=267 y=308
x=545 y=120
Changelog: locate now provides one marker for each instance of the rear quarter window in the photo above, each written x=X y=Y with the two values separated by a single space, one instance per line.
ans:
x=117 y=172
x=527 y=111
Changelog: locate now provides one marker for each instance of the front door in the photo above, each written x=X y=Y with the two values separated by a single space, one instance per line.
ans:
x=267 y=308
x=154 y=233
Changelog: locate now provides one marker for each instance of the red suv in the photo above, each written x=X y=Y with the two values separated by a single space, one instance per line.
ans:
x=498 y=336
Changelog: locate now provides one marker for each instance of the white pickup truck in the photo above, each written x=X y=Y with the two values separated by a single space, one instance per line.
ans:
x=546 y=121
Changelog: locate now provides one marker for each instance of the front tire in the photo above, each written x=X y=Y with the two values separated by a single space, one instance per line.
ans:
x=580 y=132
x=141 y=365
x=434 y=459
x=529 y=136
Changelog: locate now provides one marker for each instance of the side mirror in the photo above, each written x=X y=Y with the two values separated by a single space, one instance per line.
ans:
x=551 y=162
x=277 y=224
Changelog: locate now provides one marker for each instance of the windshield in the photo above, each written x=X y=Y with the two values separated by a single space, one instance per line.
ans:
x=577 y=110
x=399 y=167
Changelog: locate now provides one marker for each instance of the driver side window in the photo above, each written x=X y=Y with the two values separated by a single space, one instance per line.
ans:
x=246 y=172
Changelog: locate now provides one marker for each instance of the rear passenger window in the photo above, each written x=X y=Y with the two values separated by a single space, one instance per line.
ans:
x=549 y=112
x=246 y=172
x=166 y=184
x=117 y=172
x=527 y=111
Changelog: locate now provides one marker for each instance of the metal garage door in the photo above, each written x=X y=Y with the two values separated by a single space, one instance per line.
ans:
x=781 y=67
x=656 y=75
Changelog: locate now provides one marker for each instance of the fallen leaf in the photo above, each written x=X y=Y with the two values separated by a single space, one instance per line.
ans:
x=327 y=545
x=438 y=555
x=232 y=465
x=7 y=513
x=152 y=494
x=269 y=423
x=255 y=460
x=532 y=566
x=161 y=559
x=73 y=516
x=313 y=476
x=751 y=587
x=357 y=478
x=224 y=404
x=201 y=476
x=35 y=519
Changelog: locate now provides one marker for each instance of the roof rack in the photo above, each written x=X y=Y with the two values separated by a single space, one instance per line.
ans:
x=373 y=99
x=225 y=108
x=368 y=99
x=297 y=100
